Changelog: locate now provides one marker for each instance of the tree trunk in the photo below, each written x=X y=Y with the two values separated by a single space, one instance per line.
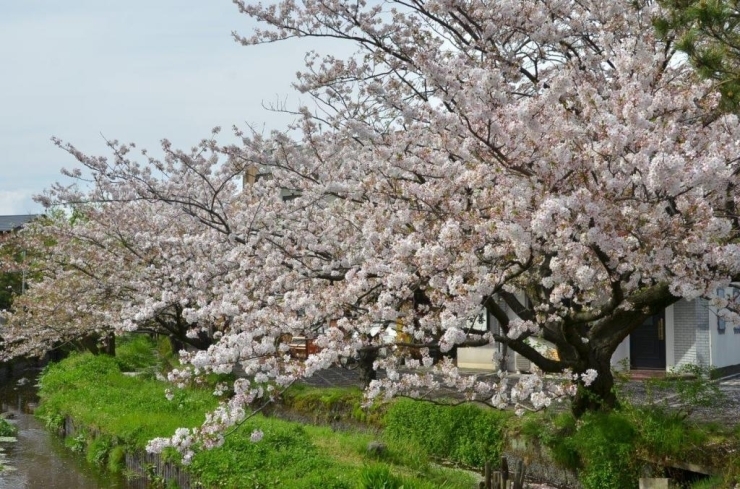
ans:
x=90 y=343
x=175 y=344
x=365 y=359
x=109 y=344
x=599 y=396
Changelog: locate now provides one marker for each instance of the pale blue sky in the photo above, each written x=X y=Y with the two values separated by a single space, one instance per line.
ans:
x=134 y=70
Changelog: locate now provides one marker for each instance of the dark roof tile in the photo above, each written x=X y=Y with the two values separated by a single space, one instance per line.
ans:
x=9 y=223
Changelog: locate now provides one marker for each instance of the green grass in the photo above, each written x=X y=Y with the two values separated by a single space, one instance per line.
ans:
x=118 y=413
x=466 y=434
x=326 y=404
x=94 y=392
x=297 y=456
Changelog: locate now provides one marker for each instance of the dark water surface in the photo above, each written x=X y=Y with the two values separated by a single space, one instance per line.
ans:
x=39 y=460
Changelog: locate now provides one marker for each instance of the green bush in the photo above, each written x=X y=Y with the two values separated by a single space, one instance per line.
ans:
x=665 y=434
x=77 y=443
x=7 y=429
x=465 y=434
x=556 y=433
x=600 y=446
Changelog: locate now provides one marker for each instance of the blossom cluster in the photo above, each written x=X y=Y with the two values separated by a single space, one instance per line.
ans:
x=551 y=162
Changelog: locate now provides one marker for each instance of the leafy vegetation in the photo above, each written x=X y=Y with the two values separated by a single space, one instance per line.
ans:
x=708 y=31
x=117 y=413
x=296 y=456
x=464 y=434
x=7 y=429
x=609 y=449
x=94 y=392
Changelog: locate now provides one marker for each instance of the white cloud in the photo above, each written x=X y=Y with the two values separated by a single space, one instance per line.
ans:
x=14 y=202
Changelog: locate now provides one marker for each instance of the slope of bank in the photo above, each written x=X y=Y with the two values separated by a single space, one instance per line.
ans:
x=329 y=441
x=109 y=416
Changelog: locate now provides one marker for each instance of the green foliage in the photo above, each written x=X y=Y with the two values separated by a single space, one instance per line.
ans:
x=379 y=477
x=7 y=429
x=52 y=421
x=665 y=435
x=708 y=31
x=605 y=443
x=136 y=353
x=708 y=483
x=116 y=459
x=296 y=456
x=96 y=394
x=77 y=443
x=608 y=448
x=330 y=403
x=600 y=446
x=98 y=449
x=465 y=434
x=556 y=433
x=124 y=412
x=284 y=458
x=689 y=387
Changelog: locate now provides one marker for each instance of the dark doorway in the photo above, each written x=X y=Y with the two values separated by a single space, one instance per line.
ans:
x=647 y=344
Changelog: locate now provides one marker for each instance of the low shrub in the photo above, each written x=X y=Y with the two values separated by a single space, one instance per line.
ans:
x=7 y=429
x=665 y=434
x=605 y=443
x=600 y=447
x=116 y=459
x=98 y=449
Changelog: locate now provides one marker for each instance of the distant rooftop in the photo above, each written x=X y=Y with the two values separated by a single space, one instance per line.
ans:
x=11 y=223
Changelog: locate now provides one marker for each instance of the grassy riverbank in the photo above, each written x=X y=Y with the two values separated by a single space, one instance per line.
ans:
x=119 y=413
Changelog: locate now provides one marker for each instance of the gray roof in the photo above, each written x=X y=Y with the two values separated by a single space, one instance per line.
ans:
x=10 y=223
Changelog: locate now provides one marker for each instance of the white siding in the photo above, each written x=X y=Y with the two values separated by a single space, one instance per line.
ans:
x=621 y=356
x=725 y=347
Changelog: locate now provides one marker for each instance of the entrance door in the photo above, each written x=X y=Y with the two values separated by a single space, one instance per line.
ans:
x=647 y=344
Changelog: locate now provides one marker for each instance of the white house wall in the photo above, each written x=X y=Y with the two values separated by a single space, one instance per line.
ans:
x=621 y=355
x=690 y=333
x=724 y=347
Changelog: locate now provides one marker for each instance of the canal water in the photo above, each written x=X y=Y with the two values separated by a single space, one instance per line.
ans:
x=38 y=459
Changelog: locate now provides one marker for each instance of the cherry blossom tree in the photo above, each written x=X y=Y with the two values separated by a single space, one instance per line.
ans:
x=94 y=275
x=552 y=159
